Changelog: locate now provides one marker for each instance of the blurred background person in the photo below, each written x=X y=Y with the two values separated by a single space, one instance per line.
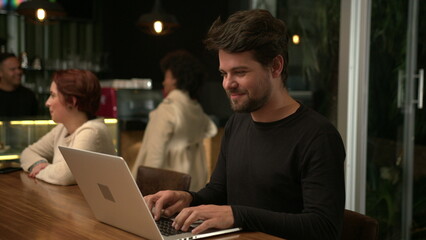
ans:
x=73 y=101
x=15 y=99
x=173 y=138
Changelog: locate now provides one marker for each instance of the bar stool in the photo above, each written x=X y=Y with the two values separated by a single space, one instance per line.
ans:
x=357 y=226
x=151 y=180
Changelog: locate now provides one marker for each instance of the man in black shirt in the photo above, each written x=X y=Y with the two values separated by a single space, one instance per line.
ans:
x=15 y=99
x=281 y=165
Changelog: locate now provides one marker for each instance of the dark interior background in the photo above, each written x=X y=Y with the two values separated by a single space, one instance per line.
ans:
x=125 y=51
x=132 y=53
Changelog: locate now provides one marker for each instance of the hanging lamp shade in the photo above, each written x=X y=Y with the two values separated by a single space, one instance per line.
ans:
x=157 y=22
x=41 y=10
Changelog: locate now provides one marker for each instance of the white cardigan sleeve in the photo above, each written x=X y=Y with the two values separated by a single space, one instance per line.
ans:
x=43 y=149
x=92 y=136
x=58 y=172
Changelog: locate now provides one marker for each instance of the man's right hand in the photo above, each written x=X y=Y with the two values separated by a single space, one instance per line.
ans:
x=167 y=202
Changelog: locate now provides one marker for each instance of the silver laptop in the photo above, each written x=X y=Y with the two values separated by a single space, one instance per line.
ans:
x=115 y=199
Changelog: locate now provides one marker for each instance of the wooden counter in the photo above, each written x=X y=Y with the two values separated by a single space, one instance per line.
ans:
x=32 y=209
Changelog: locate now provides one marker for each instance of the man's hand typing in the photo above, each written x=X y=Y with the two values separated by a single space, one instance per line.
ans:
x=167 y=203
x=212 y=216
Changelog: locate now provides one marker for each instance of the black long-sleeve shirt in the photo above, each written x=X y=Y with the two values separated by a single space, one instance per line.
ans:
x=285 y=178
x=20 y=102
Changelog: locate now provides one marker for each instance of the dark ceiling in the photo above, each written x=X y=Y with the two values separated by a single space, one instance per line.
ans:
x=134 y=54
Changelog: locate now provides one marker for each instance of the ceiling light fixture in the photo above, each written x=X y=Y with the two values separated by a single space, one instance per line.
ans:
x=157 y=22
x=40 y=10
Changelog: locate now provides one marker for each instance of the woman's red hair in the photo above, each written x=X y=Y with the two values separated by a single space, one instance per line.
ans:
x=81 y=84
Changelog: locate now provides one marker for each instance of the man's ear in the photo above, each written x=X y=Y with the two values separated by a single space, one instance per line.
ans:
x=277 y=66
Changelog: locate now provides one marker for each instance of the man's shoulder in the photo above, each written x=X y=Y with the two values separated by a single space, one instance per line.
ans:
x=316 y=118
x=19 y=92
x=25 y=90
x=314 y=123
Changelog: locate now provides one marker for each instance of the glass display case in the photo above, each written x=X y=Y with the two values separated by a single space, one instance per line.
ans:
x=15 y=135
x=137 y=103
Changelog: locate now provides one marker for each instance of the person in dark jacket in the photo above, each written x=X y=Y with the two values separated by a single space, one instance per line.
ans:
x=15 y=99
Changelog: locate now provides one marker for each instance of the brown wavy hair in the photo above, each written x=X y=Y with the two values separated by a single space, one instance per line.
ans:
x=251 y=30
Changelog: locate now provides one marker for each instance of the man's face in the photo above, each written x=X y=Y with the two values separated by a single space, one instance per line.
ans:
x=11 y=72
x=247 y=83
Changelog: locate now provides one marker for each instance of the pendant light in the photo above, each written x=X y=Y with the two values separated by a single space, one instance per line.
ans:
x=40 y=10
x=157 y=22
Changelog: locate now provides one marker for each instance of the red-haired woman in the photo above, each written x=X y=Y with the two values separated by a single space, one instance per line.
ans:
x=73 y=102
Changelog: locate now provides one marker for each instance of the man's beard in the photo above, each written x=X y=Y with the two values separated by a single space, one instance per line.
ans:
x=251 y=105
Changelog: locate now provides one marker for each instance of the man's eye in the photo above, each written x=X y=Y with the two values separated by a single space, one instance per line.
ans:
x=240 y=73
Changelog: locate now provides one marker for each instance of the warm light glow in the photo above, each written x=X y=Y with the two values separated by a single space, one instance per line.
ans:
x=41 y=14
x=110 y=121
x=158 y=27
x=33 y=122
x=9 y=157
x=296 y=39
x=51 y=122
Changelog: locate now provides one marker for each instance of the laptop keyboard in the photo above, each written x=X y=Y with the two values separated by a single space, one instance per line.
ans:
x=165 y=226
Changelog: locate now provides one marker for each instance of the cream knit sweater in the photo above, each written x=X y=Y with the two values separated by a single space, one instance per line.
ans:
x=93 y=135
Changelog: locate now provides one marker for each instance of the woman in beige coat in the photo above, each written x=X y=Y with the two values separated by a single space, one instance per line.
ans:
x=173 y=138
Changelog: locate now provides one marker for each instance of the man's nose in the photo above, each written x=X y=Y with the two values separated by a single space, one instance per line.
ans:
x=229 y=83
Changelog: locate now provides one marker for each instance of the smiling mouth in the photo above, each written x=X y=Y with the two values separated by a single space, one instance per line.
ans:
x=233 y=95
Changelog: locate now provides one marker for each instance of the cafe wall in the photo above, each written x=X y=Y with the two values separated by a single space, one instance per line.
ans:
x=134 y=54
x=102 y=36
